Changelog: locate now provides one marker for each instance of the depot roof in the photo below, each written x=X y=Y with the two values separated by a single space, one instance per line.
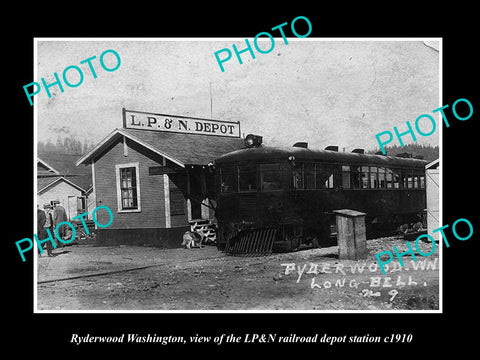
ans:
x=182 y=149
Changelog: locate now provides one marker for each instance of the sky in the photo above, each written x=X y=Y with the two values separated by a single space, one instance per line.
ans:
x=322 y=91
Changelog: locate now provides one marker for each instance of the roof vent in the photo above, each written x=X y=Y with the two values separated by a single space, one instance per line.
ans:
x=380 y=153
x=301 y=144
x=404 y=155
x=332 y=148
x=358 y=151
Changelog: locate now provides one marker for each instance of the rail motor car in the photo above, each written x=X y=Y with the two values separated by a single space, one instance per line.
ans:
x=272 y=199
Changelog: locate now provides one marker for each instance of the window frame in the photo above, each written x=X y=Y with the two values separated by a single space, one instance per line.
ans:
x=83 y=200
x=298 y=177
x=346 y=177
x=378 y=177
x=243 y=166
x=118 y=168
x=322 y=168
x=364 y=175
x=233 y=173
x=275 y=168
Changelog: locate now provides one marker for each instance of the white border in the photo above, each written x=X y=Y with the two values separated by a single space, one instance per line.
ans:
x=226 y=41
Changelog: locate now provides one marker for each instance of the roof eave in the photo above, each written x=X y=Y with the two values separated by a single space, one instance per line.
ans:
x=87 y=158
x=61 y=178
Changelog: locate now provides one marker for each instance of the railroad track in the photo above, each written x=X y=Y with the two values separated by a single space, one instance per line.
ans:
x=104 y=273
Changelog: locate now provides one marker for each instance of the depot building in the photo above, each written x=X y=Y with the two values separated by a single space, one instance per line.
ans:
x=154 y=175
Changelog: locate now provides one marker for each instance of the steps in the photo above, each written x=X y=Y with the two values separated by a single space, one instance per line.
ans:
x=205 y=227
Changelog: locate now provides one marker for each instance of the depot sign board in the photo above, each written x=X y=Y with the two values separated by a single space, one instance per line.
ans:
x=179 y=124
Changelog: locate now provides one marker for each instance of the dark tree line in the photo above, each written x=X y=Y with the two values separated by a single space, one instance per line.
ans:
x=67 y=145
x=428 y=152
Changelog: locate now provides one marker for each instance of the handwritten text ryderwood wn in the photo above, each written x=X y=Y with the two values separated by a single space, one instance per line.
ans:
x=327 y=268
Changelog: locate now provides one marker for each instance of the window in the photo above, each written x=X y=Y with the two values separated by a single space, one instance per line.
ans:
x=128 y=187
x=365 y=176
x=389 y=178
x=324 y=176
x=247 y=177
x=396 y=178
x=298 y=177
x=309 y=176
x=81 y=204
x=419 y=179
x=373 y=177
x=409 y=179
x=355 y=177
x=227 y=180
x=403 y=179
x=272 y=177
x=351 y=177
x=346 y=177
x=381 y=177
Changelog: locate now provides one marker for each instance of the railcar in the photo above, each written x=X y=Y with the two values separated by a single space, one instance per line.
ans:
x=272 y=199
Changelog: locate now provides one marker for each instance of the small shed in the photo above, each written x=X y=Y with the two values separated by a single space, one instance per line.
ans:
x=351 y=234
x=432 y=176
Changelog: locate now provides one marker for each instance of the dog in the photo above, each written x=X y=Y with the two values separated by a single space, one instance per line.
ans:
x=192 y=239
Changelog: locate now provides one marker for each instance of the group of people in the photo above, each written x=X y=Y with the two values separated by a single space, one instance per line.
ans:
x=49 y=218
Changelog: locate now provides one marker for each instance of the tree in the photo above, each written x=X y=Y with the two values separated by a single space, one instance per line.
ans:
x=428 y=152
x=68 y=145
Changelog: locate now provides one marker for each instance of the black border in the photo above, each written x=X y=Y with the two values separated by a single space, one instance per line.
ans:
x=433 y=333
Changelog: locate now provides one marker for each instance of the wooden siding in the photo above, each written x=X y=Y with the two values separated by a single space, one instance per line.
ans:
x=152 y=214
x=178 y=206
x=59 y=191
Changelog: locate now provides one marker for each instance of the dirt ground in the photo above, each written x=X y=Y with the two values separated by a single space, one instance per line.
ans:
x=86 y=277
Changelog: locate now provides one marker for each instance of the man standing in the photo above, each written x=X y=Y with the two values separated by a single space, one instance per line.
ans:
x=59 y=215
x=41 y=219
x=44 y=221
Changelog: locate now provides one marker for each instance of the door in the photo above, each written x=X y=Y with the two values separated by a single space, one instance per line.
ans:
x=71 y=207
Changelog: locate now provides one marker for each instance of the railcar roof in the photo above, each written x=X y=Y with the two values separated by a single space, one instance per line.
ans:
x=267 y=154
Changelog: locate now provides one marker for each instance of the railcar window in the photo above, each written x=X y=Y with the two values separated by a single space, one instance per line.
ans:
x=346 y=177
x=396 y=178
x=355 y=177
x=309 y=176
x=419 y=179
x=403 y=179
x=298 y=177
x=324 y=176
x=272 y=177
x=389 y=178
x=247 y=178
x=409 y=179
x=373 y=177
x=227 y=180
x=422 y=181
x=381 y=177
x=365 y=176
